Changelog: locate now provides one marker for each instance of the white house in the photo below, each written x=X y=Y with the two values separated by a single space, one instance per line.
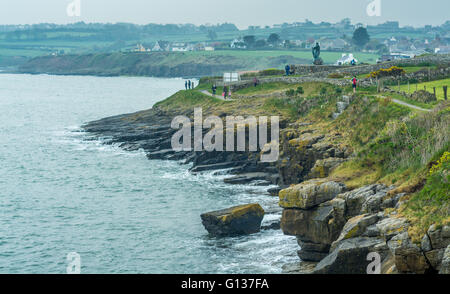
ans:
x=346 y=59
x=179 y=47
x=157 y=47
x=238 y=44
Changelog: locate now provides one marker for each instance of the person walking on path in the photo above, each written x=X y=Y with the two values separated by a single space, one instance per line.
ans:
x=189 y=84
x=185 y=85
x=354 y=81
x=214 y=88
x=192 y=85
x=255 y=81
x=225 y=92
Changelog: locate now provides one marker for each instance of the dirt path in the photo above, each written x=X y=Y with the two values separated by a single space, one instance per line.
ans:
x=396 y=101
x=215 y=96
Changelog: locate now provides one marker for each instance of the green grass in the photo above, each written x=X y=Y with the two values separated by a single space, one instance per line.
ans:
x=187 y=100
x=328 y=57
x=413 y=102
x=429 y=87
x=413 y=69
x=373 y=92
x=431 y=205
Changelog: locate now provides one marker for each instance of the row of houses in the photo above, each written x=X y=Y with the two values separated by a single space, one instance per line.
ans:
x=161 y=46
x=407 y=45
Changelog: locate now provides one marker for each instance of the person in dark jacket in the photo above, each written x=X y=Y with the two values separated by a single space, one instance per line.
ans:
x=185 y=85
x=225 y=92
x=288 y=70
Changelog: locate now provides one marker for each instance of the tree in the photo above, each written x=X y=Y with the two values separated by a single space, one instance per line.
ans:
x=287 y=44
x=273 y=39
x=212 y=35
x=360 y=37
x=249 y=40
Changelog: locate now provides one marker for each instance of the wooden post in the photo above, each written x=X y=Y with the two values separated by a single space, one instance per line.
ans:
x=409 y=90
x=434 y=91
x=445 y=92
x=399 y=85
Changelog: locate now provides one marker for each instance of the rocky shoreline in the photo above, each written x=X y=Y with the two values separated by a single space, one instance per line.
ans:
x=338 y=228
x=151 y=131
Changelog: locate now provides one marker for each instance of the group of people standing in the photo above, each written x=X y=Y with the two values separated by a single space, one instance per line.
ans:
x=188 y=85
x=225 y=93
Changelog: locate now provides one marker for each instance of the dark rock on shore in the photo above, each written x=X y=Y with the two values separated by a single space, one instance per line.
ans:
x=234 y=221
x=151 y=131
x=350 y=257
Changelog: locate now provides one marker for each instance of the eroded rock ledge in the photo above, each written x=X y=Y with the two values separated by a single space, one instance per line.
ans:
x=338 y=229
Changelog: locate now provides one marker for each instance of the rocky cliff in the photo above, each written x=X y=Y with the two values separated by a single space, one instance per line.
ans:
x=356 y=174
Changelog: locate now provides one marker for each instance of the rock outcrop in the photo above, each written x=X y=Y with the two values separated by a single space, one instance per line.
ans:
x=339 y=228
x=307 y=153
x=350 y=256
x=445 y=266
x=310 y=216
x=234 y=221
x=309 y=194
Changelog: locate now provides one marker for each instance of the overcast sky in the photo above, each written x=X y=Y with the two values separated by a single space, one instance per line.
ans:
x=240 y=12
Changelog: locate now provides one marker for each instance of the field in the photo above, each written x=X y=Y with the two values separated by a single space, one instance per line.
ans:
x=327 y=56
x=429 y=87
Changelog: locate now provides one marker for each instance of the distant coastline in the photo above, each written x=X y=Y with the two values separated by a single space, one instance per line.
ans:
x=165 y=64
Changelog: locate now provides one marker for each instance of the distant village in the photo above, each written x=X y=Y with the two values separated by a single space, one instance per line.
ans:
x=390 y=48
x=388 y=41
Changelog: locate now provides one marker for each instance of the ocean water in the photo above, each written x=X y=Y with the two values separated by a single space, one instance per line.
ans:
x=63 y=191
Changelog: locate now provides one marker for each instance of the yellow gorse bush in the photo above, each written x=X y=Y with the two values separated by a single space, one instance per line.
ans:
x=444 y=158
x=392 y=71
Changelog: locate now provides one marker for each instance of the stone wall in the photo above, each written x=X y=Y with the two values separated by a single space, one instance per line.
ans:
x=324 y=71
x=314 y=69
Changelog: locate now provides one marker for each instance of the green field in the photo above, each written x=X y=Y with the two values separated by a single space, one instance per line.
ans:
x=429 y=87
x=328 y=57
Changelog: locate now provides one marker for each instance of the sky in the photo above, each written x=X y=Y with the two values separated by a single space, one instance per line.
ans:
x=240 y=12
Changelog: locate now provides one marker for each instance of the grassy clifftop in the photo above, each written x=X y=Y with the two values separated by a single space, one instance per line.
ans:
x=391 y=143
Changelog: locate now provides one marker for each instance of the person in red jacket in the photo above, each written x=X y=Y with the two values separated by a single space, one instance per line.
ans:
x=354 y=81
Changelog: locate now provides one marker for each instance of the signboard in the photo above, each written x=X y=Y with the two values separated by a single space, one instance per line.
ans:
x=230 y=77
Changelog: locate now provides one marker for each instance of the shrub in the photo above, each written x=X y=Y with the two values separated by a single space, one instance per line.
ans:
x=335 y=75
x=392 y=71
x=290 y=93
x=266 y=72
x=271 y=72
x=323 y=91
x=300 y=90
